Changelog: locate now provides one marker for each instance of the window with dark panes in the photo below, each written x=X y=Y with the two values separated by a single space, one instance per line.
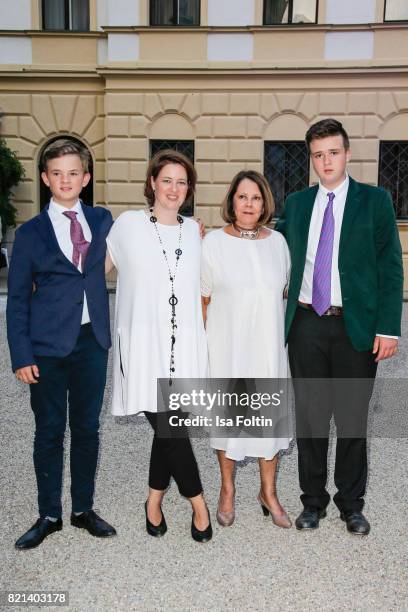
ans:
x=396 y=10
x=175 y=12
x=290 y=11
x=286 y=168
x=393 y=174
x=65 y=15
x=182 y=146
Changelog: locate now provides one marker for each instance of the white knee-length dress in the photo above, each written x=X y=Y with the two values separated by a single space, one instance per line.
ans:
x=142 y=328
x=245 y=319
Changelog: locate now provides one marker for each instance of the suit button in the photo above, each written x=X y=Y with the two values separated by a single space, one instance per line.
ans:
x=80 y=303
x=345 y=299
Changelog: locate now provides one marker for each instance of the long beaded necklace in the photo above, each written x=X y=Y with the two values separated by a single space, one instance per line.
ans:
x=173 y=300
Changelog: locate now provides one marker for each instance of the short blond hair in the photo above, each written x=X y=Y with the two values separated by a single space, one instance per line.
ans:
x=227 y=207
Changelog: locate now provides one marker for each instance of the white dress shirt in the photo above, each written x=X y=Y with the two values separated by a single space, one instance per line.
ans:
x=62 y=229
x=316 y=221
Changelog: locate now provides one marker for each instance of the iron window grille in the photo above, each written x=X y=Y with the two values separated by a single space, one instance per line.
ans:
x=175 y=12
x=277 y=12
x=182 y=146
x=65 y=15
x=286 y=168
x=395 y=10
x=393 y=174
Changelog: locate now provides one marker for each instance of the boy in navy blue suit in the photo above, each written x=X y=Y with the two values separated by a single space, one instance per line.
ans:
x=59 y=336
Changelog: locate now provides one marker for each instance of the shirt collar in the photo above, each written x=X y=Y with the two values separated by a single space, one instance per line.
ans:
x=58 y=208
x=340 y=190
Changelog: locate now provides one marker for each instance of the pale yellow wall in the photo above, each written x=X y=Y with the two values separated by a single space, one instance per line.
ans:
x=35 y=14
x=31 y=119
x=70 y=50
x=280 y=47
x=228 y=125
x=161 y=48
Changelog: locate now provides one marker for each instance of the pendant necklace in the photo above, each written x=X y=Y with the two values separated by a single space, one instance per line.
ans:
x=173 y=300
x=248 y=234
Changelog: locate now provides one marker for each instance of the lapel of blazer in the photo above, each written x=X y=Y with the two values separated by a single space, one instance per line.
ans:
x=302 y=229
x=353 y=202
x=307 y=209
x=94 y=227
x=46 y=230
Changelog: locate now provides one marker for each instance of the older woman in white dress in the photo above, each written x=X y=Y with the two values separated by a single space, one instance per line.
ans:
x=244 y=270
x=159 y=330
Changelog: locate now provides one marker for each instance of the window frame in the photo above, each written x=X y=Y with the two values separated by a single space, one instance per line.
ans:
x=173 y=25
x=290 y=17
x=392 y=20
x=395 y=204
x=67 y=17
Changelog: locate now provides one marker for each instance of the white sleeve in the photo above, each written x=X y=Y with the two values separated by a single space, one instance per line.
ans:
x=287 y=261
x=206 y=270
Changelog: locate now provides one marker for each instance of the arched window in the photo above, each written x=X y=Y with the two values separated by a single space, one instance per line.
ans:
x=45 y=194
x=286 y=158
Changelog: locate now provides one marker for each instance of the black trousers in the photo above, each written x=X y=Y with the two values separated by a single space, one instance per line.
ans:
x=320 y=349
x=79 y=379
x=172 y=456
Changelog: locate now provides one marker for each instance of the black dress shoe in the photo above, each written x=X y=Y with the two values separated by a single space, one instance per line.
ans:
x=155 y=530
x=310 y=517
x=93 y=524
x=38 y=532
x=356 y=522
x=201 y=536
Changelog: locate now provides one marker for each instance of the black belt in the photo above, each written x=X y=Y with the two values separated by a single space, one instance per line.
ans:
x=333 y=311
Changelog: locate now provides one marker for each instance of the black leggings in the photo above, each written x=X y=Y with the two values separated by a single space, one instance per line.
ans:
x=172 y=456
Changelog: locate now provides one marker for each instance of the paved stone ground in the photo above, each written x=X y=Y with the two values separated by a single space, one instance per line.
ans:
x=250 y=566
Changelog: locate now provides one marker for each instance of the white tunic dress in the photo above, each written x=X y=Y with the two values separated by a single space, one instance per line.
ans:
x=143 y=313
x=245 y=319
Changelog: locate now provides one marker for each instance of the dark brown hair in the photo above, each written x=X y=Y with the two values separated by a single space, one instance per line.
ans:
x=325 y=128
x=227 y=207
x=161 y=159
x=64 y=146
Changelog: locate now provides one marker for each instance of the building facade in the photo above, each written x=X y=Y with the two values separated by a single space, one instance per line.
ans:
x=233 y=83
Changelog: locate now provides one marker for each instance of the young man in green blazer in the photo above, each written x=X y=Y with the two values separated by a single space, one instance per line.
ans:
x=343 y=316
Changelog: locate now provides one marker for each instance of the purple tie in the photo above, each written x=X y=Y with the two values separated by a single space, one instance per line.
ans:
x=80 y=245
x=321 y=299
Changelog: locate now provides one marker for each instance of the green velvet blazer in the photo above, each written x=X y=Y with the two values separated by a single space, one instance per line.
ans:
x=370 y=260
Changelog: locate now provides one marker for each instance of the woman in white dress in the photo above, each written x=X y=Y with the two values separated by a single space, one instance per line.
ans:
x=244 y=271
x=159 y=330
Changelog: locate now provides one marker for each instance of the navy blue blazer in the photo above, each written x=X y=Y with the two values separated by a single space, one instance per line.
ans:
x=45 y=290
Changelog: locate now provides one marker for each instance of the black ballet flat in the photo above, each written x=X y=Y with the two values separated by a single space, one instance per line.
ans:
x=155 y=530
x=201 y=536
